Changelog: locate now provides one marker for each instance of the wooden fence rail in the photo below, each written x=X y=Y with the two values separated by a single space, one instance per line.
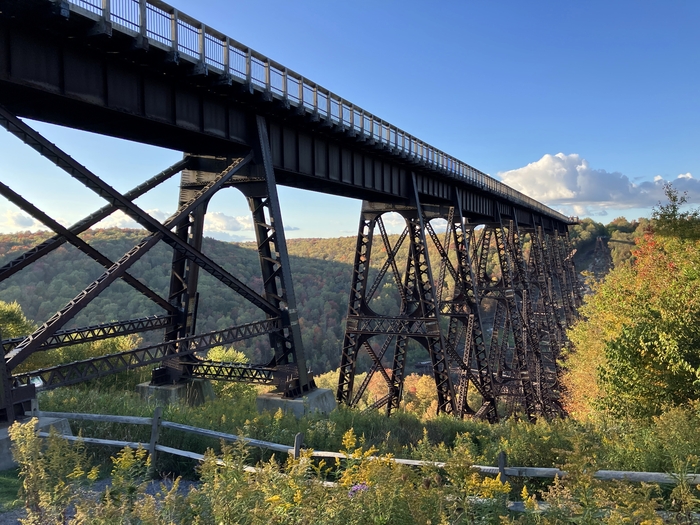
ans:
x=157 y=423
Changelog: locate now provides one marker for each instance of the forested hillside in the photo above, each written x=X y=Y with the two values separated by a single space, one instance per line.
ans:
x=321 y=270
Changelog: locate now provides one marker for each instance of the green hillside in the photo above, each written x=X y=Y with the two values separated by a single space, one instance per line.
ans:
x=321 y=270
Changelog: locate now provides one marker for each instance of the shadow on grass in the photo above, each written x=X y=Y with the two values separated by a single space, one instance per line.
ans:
x=9 y=488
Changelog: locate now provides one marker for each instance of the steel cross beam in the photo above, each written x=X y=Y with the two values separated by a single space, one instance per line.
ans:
x=80 y=244
x=46 y=247
x=237 y=372
x=35 y=340
x=398 y=325
x=95 y=333
x=80 y=371
x=117 y=200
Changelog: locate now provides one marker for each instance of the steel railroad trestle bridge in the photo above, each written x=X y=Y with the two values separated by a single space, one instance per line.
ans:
x=490 y=308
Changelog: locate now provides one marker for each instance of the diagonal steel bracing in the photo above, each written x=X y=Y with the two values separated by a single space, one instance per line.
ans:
x=117 y=200
x=80 y=244
x=80 y=371
x=35 y=340
x=96 y=332
x=46 y=247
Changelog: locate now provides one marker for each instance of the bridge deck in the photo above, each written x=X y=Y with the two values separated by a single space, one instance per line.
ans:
x=142 y=70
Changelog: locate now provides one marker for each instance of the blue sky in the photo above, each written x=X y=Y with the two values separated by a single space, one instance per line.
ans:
x=587 y=106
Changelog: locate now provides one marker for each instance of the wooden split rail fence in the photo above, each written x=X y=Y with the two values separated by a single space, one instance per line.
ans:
x=157 y=423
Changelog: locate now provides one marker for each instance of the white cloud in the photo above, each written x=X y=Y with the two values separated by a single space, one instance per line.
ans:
x=393 y=222
x=569 y=181
x=220 y=222
x=20 y=220
x=14 y=221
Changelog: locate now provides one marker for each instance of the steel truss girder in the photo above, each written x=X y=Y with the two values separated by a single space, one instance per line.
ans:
x=80 y=371
x=97 y=332
x=387 y=325
x=236 y=372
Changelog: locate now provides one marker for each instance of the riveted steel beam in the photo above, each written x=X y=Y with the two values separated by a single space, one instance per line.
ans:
x=95 y=333
x=80 y=371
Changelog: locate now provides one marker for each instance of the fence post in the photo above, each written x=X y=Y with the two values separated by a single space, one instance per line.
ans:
x=298 y=439
x=155 y=431
x=502 y=462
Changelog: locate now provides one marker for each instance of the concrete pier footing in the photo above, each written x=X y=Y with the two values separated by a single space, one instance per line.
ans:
x=320 y=400
x=194 y=392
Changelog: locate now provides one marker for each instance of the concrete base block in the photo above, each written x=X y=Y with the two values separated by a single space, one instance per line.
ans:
x=45 y=423
x=194 y=392
x=320 y=400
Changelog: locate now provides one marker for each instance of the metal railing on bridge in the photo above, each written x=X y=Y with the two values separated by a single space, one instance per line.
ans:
x=188 y=39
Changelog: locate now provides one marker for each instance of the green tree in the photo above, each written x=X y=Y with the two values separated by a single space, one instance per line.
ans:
x=13 y=322
x=637 y=347
x=671 y=218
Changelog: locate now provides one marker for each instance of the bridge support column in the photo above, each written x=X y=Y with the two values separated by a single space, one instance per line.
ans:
x=465 y=311
x=545 y=323
x=417 y=318
x=515 y=294
x=289 y=358
x=184 y=279
x=7 y=409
